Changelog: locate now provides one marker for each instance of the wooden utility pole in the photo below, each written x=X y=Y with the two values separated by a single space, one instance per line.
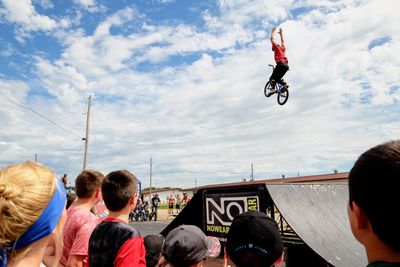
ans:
x=151 y=168
x=87 y=133
x=252 y=173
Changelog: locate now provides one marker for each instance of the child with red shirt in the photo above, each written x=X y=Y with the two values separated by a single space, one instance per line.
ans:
x=281 y=60
x=114 y=242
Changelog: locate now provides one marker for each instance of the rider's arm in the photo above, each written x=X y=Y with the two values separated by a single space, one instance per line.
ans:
x=281 y=34
x=272 y=36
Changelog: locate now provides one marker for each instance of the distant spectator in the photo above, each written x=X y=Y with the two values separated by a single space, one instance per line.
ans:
x=187 y=246
x=185 y=200
x=80 y=220
x=254 y=240
x=64 y=179
x=171 y=202
x=32 y=215
x=70 y=198
x=178 y=203
x=155 y=201
x=114 y=242
x=153 y=245
x=374 y=191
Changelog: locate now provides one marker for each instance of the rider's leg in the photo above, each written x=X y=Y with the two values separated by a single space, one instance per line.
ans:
x=281 y=69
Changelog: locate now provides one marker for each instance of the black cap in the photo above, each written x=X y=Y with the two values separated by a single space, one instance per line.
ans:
x=255 y=232
x=187 y=245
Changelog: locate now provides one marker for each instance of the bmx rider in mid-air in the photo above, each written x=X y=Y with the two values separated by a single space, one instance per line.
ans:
x=281 y=61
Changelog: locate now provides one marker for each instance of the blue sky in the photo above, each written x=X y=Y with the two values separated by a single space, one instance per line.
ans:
x=182 y=82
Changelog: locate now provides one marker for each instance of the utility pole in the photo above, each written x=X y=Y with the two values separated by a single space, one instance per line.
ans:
x=252 y=173
x=87 y=133
x=36 y=157
x=151 y=167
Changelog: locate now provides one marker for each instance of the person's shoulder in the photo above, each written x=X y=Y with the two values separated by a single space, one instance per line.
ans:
x=82 y=213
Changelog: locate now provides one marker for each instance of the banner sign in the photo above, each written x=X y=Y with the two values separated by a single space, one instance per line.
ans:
x=220 y=209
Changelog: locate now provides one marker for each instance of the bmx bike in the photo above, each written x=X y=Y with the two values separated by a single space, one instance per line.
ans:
x=281 y=91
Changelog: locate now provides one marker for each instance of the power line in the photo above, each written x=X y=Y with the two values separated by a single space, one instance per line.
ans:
x=37 y=113
x=73 y=157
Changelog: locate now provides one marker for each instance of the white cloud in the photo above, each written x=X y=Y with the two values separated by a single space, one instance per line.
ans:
x=46 y=4
x=23 y=12
x=89 y=5
x=27 y=20
x=207 y=117
x=63 y=81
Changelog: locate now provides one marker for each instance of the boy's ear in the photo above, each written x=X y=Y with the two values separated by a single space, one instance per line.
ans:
x=361 y=219
x=98 y=193
x=133 y=199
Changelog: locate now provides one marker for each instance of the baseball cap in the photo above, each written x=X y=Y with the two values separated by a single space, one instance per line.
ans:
x=187 y=245
x=254 y=232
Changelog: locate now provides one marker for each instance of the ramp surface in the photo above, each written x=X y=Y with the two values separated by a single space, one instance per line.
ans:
x=318 y=215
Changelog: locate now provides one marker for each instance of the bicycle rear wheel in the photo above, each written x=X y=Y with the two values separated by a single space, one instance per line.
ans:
x=267 y=88
x=283 y=96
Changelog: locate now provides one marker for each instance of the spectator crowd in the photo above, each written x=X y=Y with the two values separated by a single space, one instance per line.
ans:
x=36 y=229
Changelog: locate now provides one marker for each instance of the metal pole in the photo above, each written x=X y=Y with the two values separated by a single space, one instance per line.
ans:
x=87 y=133
x=151 y=167
x=252 y=173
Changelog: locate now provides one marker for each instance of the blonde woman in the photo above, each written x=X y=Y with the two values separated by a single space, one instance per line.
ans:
x=32 y=215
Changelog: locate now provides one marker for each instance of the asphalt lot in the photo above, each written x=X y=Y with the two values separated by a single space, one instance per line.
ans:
x=150 y=227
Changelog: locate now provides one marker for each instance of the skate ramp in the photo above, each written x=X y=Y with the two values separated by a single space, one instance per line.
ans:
x=318 y=215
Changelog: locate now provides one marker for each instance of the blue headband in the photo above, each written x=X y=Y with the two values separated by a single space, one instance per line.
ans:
x=42 y=227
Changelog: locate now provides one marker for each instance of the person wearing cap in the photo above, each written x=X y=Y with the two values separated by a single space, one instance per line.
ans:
x=254 y=240
x=374 y=189
x=188 y=246
x=153 y=245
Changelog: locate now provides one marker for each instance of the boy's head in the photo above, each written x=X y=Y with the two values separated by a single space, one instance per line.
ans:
x=254 y=240
x=153 y=245
x=187 y=246
x=118 y=188
x=374 y=190
x=87 y=183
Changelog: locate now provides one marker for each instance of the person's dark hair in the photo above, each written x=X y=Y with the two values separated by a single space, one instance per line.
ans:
x=153 y=245
x=374 y=184
x=70 y=199
x=117 y=188
x=87 y=182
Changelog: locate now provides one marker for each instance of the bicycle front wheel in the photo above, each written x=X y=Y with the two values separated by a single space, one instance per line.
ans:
x=283 y=96
x=267 y=88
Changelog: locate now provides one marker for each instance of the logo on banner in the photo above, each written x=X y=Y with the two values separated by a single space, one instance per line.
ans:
x=220 y=211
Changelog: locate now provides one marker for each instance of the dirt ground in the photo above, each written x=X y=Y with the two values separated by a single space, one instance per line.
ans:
x=164 y=216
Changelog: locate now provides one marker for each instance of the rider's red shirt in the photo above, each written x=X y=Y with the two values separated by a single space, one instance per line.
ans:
x=279 y=53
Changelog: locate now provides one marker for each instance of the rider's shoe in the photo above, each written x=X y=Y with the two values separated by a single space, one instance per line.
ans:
x=273 y=91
